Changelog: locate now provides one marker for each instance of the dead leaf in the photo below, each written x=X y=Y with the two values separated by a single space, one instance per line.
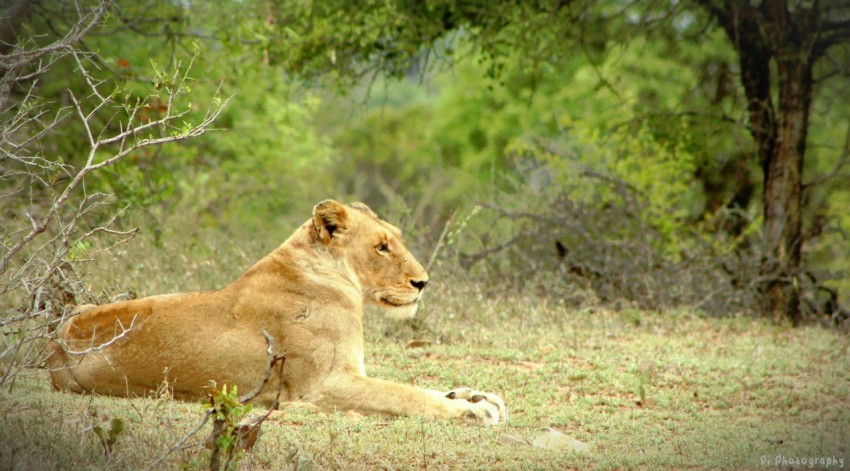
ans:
x=417 y=344
x=552 y=439
x=248 y=435
x=247 y=432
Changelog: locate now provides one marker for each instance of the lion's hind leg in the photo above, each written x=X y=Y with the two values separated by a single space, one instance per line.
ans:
x=61 y=376
x=58 y=362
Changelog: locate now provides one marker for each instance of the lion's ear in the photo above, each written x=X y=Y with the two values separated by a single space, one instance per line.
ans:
x=362 y=207
x=330 y=218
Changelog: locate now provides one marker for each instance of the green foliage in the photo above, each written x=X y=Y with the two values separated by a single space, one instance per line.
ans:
x=540 y=98
x=827 y=222
x=79 y=250
x=478 y=135
x=271 y=158
x=267 y=158
x=347 y=41
x=109 y=437
x=227 y=413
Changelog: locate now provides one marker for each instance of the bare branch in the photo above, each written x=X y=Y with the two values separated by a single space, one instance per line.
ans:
x=273 y=360
x=13 y=63
x=440 y=240
x=19 y=318
x=832 y=33
x=842 y=161
x=99 y=348
x=85 y=122
x=79 y=30
x=49 y=194
x=182 y=442
x=39 y=227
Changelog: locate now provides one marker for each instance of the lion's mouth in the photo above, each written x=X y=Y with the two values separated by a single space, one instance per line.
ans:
x=393 y=303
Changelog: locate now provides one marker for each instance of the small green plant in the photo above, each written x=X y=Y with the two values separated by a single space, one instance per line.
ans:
x=228 y=412
x=108 y=437
x=641 y=391
x=647 y=371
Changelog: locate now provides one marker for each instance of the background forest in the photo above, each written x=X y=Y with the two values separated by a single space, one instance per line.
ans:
x=652 y=158
x=600 y=152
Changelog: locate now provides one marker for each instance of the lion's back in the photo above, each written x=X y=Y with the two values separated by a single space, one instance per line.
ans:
x=101 y=323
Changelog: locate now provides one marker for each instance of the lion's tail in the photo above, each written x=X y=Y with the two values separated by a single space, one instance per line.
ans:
x=58 y=362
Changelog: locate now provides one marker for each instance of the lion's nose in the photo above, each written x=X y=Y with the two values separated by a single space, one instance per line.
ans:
x=419 y=284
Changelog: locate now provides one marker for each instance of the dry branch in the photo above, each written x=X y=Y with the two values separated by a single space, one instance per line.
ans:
x=53 y=210
x=251 y=428
x=100 y=347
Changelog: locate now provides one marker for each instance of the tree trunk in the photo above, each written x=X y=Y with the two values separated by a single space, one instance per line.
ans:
x=783 y=200
x=764 y=32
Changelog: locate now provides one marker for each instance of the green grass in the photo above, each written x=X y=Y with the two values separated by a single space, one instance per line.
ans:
x=643 y=390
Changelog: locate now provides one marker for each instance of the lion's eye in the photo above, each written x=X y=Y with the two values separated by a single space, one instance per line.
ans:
x=383 y=248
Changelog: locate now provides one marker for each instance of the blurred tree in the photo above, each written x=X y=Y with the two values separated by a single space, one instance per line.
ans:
x=779 y=43
x=671 y=65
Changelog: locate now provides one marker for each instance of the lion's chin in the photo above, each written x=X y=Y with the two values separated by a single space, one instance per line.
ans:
x=397 y=307
x=400 y=312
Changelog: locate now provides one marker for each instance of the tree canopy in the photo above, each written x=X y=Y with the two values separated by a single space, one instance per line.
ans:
x=779 y=47
x=704 y=134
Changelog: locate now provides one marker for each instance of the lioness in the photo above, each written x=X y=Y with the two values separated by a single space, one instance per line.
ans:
x=308 y=295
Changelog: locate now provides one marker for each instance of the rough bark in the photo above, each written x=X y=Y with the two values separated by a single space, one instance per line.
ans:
x=783 y=196
x=764 y=33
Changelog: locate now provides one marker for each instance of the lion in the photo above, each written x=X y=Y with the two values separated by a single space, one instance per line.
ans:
x=307 y=298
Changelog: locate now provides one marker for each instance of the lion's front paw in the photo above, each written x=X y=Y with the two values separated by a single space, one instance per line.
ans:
x=487 y=407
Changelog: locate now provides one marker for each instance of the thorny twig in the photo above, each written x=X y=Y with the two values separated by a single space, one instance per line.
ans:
x=440 y=241
x=100 y=347
x=273 y=360
x=36 y=255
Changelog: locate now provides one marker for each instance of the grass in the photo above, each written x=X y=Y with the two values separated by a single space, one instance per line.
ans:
x=644 y=390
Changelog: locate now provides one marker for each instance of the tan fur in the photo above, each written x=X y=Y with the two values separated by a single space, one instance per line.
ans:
x=308 y=294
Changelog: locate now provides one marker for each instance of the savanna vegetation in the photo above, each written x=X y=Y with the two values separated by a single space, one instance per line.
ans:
x=634 y=214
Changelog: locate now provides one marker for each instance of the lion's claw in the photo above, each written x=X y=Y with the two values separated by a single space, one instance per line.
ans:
x=487 y=407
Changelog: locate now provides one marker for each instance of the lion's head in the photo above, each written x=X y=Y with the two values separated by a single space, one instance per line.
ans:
x=389 y=274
